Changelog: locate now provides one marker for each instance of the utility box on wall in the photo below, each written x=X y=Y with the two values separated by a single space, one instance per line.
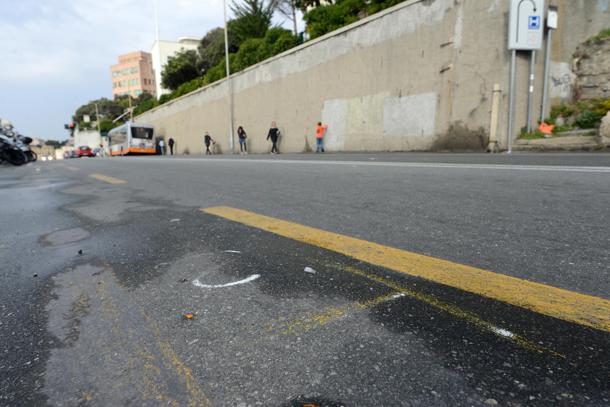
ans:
x=526 y=25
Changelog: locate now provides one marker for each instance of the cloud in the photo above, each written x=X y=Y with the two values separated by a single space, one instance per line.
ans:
x=69 y=40
x=56 y=54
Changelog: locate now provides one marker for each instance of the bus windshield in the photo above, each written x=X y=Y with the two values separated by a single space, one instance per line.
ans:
x=142 y=133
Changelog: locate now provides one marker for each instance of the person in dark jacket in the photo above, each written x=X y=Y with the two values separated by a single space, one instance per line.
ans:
x=274 y=135
x=241 y=134
x=208 y=140
x=170 y=143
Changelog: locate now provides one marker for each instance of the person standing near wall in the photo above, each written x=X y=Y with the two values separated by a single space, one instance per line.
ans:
x=241 y=134
x=162 y=146
x=320 y=133
x=208 y=140
x=170 y=143
x=274 y=134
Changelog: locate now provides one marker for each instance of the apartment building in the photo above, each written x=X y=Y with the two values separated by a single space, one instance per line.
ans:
x=163 y=50
x=133 y=75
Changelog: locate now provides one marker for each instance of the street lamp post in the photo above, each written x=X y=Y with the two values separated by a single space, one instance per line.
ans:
x=229 y=84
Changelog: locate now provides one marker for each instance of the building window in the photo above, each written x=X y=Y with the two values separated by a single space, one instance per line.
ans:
x=135 y=69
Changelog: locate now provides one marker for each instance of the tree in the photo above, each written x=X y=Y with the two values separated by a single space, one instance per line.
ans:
x=254 y=50
x=288 y=8
x=252 y=18
x=182 y=67
x=303 y=5
x=108 y=109
x=324 y=19
x=212 y=47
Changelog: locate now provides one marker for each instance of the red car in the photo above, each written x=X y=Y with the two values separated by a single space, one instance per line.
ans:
x=84 y=151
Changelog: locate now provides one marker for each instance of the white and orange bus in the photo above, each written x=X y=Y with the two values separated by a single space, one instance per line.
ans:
x=132 y=138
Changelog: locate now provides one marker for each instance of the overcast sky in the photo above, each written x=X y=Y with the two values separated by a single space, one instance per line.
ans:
x=55 y=55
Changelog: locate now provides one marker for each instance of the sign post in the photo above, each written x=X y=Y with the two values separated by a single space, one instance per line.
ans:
x=525 y=33
x=551 y=25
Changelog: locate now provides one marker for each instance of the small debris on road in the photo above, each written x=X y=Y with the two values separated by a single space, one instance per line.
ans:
x=193 y=341
x=183 y=280
x=309 y=270
x=491 y=402
x=174 y=220
x=188 y=315
x=233 y=251
x=158 y=266
x=35 y=274
x=80 y=251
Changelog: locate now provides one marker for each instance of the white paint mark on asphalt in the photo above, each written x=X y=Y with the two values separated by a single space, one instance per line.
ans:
x=233 y=251
x=499 y=167
x=502 y=332
x=399 y=295
x=198 y=283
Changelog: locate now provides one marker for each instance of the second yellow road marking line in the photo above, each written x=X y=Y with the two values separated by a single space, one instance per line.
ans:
x=106 y=178
x=332 y=314
x=555 y=302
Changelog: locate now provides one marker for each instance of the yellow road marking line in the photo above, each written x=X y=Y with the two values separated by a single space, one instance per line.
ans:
x=71 y=168
x=110 y=180
x=454 y=311
x=331 y=314
x=314 y=320
x=555 y=302
x=197 y=398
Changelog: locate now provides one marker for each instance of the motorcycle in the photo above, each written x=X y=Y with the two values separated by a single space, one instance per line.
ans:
x=10 y=152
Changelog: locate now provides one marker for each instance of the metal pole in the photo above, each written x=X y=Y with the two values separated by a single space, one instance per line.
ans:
x=229 y=84
x=97 y=118
x=530 y=91
x=99 y=129
x=511 y=100
x=547 y=71
x=156 y=8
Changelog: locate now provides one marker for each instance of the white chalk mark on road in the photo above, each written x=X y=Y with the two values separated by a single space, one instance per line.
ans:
x=198 y=283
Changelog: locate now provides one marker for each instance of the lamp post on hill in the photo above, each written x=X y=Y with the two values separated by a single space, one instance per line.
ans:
x=229 y=84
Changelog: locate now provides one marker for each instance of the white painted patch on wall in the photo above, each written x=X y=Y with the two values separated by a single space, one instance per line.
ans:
x=561 y=80
x=459 y=27
x=334 y=115
x=412 y=115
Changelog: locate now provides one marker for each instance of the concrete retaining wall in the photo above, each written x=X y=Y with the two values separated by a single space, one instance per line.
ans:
x=418 y=76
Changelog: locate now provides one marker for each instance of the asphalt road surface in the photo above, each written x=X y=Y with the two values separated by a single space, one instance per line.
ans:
x=306 y=280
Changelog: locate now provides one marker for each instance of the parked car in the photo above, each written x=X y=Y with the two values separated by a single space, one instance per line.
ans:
x=84 y=151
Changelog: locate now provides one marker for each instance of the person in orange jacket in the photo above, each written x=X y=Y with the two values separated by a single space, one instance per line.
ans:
x=320 y=132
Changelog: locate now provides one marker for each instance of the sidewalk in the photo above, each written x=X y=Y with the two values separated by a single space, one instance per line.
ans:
x=561 y=143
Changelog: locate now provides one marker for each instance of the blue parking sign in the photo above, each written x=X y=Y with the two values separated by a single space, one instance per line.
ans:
x=534 y=22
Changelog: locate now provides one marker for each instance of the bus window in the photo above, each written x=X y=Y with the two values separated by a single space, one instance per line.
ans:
x=118 y=137
x=142 y=133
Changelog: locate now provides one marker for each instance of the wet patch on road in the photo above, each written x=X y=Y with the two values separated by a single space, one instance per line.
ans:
x=111 y=352
x=61 y=237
